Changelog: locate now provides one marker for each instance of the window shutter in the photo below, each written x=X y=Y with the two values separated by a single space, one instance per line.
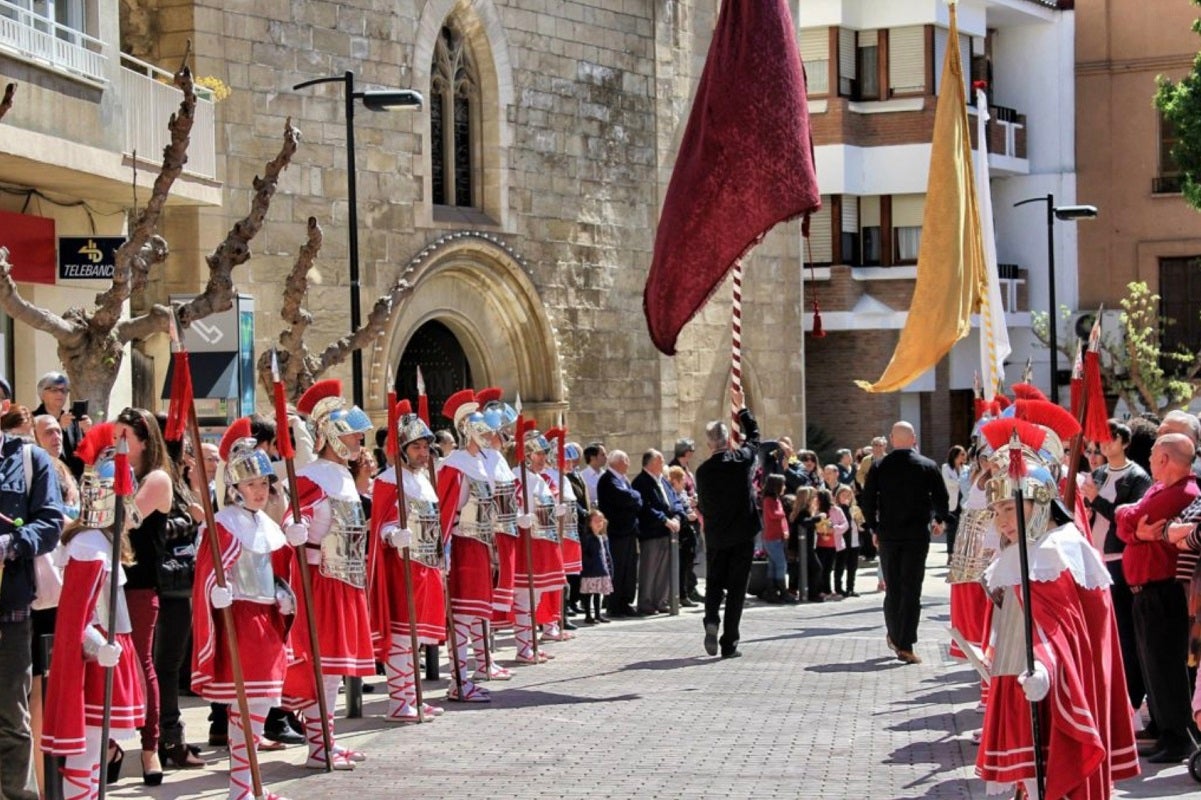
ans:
x=869 y=212
x=907 y=59
x=850 y=213
x=907 y=210
x=815 y=44
x=821 y=235
x=846 y=53
x=868 y=38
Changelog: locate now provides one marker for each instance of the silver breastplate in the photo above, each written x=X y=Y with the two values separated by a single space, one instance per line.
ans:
x=571 y=526
x=426 y=526
x=546 y=526
x=252 y=578
x=100 y=616
x=504 y=498
x=344 y=546
x=477 y=518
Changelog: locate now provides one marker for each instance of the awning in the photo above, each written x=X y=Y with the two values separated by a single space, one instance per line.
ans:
x=214 y=375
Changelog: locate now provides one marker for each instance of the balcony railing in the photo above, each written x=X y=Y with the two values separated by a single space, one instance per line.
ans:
x=150 y=100
x=38 y=40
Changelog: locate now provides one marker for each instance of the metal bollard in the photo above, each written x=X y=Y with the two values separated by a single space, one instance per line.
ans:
x=354 y=698
x=803 y=571
x=675 y=574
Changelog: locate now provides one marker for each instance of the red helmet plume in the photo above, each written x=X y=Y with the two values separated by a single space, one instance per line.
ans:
x=457 y=401
x=240 y=429
x=999 y=431
x=403 y=407
x=330 y=387
x=1049 y=415
x=490 y=395
x=1027 y=391
x=98 y=439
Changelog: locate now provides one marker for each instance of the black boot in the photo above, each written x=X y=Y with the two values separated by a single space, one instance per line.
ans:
x=785 y=597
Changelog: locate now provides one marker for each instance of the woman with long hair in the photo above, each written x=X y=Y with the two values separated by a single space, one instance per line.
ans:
x=156 y=476
x=75 y=697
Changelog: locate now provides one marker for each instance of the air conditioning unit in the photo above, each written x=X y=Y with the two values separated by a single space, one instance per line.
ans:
x=1113 y=334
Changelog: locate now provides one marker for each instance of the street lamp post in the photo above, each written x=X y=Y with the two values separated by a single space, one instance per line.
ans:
x=1055 y=212
x=373 y=100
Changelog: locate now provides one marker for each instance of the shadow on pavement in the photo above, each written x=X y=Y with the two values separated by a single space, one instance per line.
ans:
x=809 y=633
x=871 y=665
x=670 y=663
x=943 y=755
x=947 y=790
x=953 y=723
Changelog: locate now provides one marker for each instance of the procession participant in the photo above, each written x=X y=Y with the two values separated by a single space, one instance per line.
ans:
x=421 y=533
x=499 y=416
x=334 y=531
x=573 y=454
x=550 y=608
x=75 y=691
x=467 y=513
x=539 y=521
x=1086 y=731
x=262 y=603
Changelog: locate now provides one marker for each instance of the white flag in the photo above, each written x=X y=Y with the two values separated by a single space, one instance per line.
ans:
x=994 y=335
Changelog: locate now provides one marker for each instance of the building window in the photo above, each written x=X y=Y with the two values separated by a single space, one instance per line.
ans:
x=867 y=65
x=454 y=121
x=908 y=242
x=1168 y=179
x=1180 y=302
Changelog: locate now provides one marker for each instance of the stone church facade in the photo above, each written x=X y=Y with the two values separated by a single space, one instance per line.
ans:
x=521 y=200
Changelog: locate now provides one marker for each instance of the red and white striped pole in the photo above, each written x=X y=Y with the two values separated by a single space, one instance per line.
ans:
x=736 y=349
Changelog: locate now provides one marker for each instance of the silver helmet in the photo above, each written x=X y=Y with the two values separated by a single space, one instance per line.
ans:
x=462 y=408
x=332 y=417
x=242 y=456
x=411 y=428
x=97 y=495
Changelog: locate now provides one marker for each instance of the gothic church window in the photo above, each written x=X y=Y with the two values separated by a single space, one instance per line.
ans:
x=454 y=121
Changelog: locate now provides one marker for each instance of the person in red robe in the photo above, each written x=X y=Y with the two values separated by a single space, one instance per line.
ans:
x=1077 y=684
x=333 y=533
x=262 y=603
x=75 y=709
x=541 y=509
x=391 y=627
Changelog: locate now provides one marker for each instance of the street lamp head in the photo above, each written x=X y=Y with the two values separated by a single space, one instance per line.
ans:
x=390 y=99
x=1075 y=212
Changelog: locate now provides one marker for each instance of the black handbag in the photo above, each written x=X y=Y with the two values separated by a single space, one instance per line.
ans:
x=177 y=569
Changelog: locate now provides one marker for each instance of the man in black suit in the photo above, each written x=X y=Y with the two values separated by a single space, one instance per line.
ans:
x=621 y=503
x=660 y=518
x=726 y=500
x=904 y=500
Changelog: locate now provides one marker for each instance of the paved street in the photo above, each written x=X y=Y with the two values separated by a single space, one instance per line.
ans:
x=816 y=708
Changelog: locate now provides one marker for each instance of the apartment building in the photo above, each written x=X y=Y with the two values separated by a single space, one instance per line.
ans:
x=874 y=72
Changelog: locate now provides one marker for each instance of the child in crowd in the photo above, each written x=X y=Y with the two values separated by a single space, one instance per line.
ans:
x=596 y=577
x=829 y=525
x=775 y=535
x=847 y=559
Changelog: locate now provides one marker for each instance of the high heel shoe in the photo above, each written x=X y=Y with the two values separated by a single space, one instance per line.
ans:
x=151 y=777
x=115 y=760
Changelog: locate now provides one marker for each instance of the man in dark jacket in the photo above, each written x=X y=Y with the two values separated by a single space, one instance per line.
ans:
x=660 y=518
x=904 y=500
x=621 y=504
x=727 y=502
x=30 y=499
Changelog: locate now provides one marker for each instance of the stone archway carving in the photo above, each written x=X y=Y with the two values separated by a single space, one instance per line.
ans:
x=479 y=288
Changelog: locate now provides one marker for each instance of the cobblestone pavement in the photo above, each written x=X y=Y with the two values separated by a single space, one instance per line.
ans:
x=816 y=708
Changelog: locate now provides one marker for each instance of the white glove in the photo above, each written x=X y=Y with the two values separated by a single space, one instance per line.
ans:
x=221 y=597
x=400 y=538
x=287 y=604
x=526 y=520
x=107 y=655
x=561 y=510
x=1037 y=684
x=297 y=533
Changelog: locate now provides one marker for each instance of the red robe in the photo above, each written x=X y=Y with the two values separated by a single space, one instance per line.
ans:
x=343 y=624
x=470 y=559
x=1087 y=729
x=260 y=630
x=386 y=577
x=73 y=677
x=547 y=556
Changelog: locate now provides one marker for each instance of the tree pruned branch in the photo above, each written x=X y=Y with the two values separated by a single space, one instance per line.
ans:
x=21 y=309
x=153 y=253
x=7 y=102
x=156 y=320
x=175 y=155
x=235 y=250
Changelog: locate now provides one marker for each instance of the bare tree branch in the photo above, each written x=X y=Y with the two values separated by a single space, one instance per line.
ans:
x=156 y=320
x=235 y=250
x=7 y=102
x=153 y=253
x=337 y=352
x=175 y=155
x=295 y=363
x=21 y=309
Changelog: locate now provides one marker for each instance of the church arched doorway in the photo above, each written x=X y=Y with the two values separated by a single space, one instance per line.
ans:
x=444 y=366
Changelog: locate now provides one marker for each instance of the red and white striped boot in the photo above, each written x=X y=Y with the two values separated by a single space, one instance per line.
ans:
x=463 y=690
x=241 y=787
x=484 y=671
x=402 y=687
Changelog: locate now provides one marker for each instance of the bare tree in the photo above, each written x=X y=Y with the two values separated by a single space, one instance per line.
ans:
x=91 y=341
x=299 y=368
